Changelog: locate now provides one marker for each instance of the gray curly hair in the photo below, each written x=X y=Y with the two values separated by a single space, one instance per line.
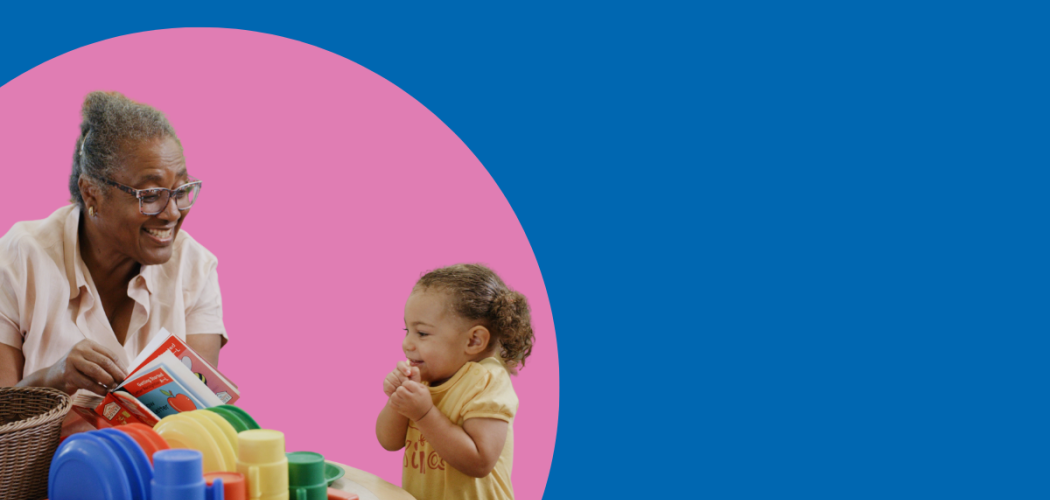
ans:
x=112 y=122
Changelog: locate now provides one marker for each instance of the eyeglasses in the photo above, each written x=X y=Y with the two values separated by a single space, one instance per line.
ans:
x=153 y=201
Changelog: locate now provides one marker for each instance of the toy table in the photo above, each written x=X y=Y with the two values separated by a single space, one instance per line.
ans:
x=368 y=486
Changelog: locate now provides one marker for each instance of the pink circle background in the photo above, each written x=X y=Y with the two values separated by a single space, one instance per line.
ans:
x=327 y=191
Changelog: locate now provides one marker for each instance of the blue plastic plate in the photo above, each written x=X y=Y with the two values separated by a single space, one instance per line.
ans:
x=136 y=464
x=86 y=468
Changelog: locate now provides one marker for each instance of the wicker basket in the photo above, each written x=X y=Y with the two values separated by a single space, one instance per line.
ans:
x=30 y=424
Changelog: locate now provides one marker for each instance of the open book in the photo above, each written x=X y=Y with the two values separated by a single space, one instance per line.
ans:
x=166 y=378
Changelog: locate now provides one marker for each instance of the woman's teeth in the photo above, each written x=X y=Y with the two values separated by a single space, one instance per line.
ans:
x=160 y=233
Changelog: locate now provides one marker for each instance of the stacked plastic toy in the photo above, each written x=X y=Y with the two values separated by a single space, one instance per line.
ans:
x=215 y=454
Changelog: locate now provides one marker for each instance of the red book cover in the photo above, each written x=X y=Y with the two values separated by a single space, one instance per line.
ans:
x=119 y=408
x=91 y=417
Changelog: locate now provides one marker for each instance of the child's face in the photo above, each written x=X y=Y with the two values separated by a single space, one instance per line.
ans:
x=437 y=339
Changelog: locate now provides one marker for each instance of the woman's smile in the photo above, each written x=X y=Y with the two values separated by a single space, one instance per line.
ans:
x=161 y=236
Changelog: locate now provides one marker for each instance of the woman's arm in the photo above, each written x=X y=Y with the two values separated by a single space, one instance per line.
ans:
x=206 y=346
x=472 y=449
x=12 y=362
x=88 y=365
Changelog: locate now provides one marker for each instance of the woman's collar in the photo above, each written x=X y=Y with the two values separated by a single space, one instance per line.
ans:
x=71 y=251
x=75 y=263
x=148 y=274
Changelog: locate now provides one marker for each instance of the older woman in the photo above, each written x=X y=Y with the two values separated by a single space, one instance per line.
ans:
x=83 y=291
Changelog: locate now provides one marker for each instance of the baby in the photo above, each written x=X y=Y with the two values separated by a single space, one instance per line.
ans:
x=451 y=402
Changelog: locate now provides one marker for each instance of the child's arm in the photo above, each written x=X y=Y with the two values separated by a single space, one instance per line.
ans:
x=472 y=449
x=391 y=427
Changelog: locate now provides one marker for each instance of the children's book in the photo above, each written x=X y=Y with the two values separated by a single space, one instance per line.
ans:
x=166 y=341
x=84 y=403
x=166 y=378
x=161 y=393
x=177 y=372
x=113 y=409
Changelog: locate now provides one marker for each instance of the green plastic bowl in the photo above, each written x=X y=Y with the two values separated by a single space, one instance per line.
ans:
x=332 y=472
x=238 y=418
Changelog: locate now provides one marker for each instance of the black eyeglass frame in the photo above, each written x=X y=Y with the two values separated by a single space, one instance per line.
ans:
x=140 y=193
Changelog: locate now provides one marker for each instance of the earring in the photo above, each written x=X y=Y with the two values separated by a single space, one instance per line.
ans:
x=91 y=211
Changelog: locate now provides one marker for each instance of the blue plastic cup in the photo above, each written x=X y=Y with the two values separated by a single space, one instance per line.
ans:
x=179 y=475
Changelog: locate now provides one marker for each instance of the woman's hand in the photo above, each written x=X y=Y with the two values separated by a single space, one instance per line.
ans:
x=402 y=373
x=88 y=365
x=412 y=400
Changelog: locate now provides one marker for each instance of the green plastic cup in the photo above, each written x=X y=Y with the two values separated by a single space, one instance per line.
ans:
x=306 y=476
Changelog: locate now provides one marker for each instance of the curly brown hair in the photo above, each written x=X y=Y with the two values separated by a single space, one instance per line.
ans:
x=478 y=294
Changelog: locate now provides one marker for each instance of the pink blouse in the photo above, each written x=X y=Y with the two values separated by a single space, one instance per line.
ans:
x=48 y=302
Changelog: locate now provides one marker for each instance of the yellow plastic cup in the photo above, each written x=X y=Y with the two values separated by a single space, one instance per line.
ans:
x=183 y=430
x=261 y=458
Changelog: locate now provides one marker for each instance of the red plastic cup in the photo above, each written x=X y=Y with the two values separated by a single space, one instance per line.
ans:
x=147 y=438
x=233 y=486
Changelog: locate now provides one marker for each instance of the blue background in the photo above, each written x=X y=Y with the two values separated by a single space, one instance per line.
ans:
x=792 y=251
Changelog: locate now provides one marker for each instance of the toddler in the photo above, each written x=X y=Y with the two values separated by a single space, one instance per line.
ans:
x=451 y=402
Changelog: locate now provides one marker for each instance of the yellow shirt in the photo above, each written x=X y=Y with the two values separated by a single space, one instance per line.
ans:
x=478 y=390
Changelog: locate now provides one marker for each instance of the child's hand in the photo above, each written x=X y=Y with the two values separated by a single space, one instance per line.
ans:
x=412 y=400
x=394 y=379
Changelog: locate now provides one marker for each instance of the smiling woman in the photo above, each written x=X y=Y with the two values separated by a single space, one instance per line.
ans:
x=83 y=291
